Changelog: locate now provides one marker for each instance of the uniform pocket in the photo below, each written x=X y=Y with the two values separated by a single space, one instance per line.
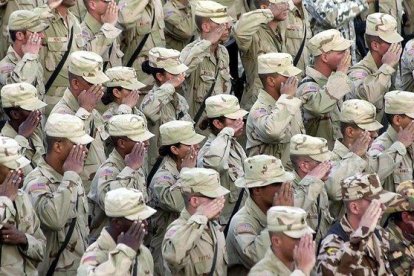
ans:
x=56 y=47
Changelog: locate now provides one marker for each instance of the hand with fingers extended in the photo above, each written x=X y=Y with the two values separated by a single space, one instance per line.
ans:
x=11 y=184
x=33 y=44
x=29 y=125
x=284 y=197
x=75 y=160
x=289 y=87
x=88 y=99
x=111 y=13
x=190 y=159
x=177 y=80
x=361 y=144
x=238 y=127
x=135 y=159
x=215 y=35
x=304 y=254
x=345 y=62
x=392 y=56
x=53 y=4
x=371 y=217
x=211 y=209
x=131 y=99
x=9 y=234
x=278 y=9
x=134 y=236
x=406 y=135
x=321 y=171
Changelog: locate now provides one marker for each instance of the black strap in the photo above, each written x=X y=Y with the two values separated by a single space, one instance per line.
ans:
x=109 y=57
x=135 y=270
x=203 y=104
x=319 y=215
x=376 y=6
x=52 y=267
x=141 y=44
x=61 y=63
x=305 y=80
x=213 y=265
x=235 y=209
x=154 y=170
x=300 y=51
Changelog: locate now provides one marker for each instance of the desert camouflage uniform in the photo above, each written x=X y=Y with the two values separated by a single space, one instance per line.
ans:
x=401 y=254
x=392 y=7
x=119 y=109
x=405 y=77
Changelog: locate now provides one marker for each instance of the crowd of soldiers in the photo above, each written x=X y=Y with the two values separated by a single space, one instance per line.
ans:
x=198 y=137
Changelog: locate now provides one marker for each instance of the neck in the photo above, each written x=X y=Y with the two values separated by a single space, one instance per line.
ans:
x=113 y=232
x=273 y=25
x=377 y=58
x=273 y=92
x=62 y=10
x=121 y=152
x=353 y=221
x=322 y=68
x=347 y=142
x=15 y=125
x=55 y=163
x=17 y=47
x=96 y=16
x=184 y=2
x=263 y=206
x=301 y=174
x=213 y=47
x=283 y=259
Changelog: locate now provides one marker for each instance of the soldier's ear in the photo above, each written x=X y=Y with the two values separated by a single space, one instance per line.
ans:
x=117 y=93
x=406 y=217
x=20 y=36
x=205 y=26
x=324 y=57
x=174 y=150
x=219 y=125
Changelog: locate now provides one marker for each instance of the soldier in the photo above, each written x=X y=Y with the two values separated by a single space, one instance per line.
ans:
x=21 y=105
x=58 y=195
x=180 y=28
x=80 y=99
x=405 y=78
x=100 y=33
x=310 y=158
x=392 y=7
x=22 y=240
x=194 y=243
x=292 y=251
x=325 y=85
x=179 y=150
x=222 y=152
x=398 y=110
x=207 y=59
x=275 y=117
x=356 y=245
x=248 y=238
x=119 y=249
x=373 y=75
x=123 y=168
x=22 y=63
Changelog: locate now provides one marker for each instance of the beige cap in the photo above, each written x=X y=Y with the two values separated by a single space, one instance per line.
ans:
x=200 y=180
x=167 y=59
x=11 y=154
x=384 y=26
x=125 y=77
x=67 y=126
x=213 y=10
x=329 y=40
x=182 y=132
x=314 y=147
x=406 y=190
x=280 y=63
x=22 y=20
x=87 y=65
x=263 y=170
x=399 y=102
x=127 y=203
x=22 y=95
x=290 y=221
x=129 y=125
x=224 y=105
x=361 y=113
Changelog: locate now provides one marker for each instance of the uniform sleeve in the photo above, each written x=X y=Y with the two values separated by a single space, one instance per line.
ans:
x=177 y=26
x=131 y=11
x=170 y=200
x=102 y=41
x=217 y=155
x=155 y=100
x=273 y=126
x=248 y=25
x=192 y=55
x=307 y=192
x=23 y=72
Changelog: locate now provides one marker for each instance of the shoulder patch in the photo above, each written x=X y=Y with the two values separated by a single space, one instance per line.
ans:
x=358 y=74
x=331 y=251
x=245 y=228
x=377 y=147
x=38 y=187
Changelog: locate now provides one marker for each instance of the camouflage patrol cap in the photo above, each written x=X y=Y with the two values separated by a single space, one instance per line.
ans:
x=329 y=40
x=130 y=125
x=314 y=147
x=11 y=155
x=167 y=59
x=128 y=203
x=291 y=221
x=21 y=20
x=280 y=63
x=404 y=189
x=125 y=77
x=67 y=126
x=22 y=94
x=361 y=113
x=384 y=26
x=263 y=170
x=182 y=132
x=200 y=181
x=224 y=105
x=213 y=10
x=87 y=65
x=399 y=102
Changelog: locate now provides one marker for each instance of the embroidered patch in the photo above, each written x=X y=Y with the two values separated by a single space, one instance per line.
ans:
x=359 y=74
x=331 y=251
x=245 y=228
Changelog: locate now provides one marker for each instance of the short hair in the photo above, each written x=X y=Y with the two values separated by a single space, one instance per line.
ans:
x=258 y=3
x=8 y=110
x=51 y=140
x=13 y=34
x=199 y=20
x=263 y=77
x=295 y=158
x=344 y=125
x=371 y=38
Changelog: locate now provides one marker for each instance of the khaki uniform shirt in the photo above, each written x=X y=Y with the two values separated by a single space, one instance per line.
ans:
x=408 y=6
x=14 y=259
x=188 y=246
x=103 y=40
x=405 y=77
x=270 y=125
x=364 y=254
x=255 y=37
x=202 y=70
x=112 y=174
x=371 y=83
x=392 y=7
x=119 y=109
x=224 y=154
x=180 y=27
x=57 y=200
x=270 y=265
x=247 y=239
x=136 y=17
x=94 y=125
x=107 y=257
x=322 y=99
x=401 y=254
x=79 y=10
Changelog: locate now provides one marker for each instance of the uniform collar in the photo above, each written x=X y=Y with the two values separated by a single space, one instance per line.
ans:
x=392 y=133
x=255 y=212
x=116 y=159
x=105 y=241
x=341 y=150
x=317 y=76
x=369 y=62
x=179 y=5
x=48 y=172
x=170 y=166
x=265 y=97
x=93 y=24
x=277 y=264
x=12 y=55
x=395 y=231
x=70 y=100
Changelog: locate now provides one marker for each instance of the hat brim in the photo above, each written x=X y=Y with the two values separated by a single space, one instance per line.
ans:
x=99 y=78
x=193 y=140
x=297 y=234
x=384 y=196
x=242 y=182
x=222 y=20
x=143 y=214
x=142 y=137
x=290 y=72
x=18 y=163
x=136 y=85
x=393 y=37
x=343 y=45
x=82 y=140
x=411 y=115
x=237 y=115
x=374 y=126
x=176 y=70
x=322 y=157
x=33 y=105
x=220 y=191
